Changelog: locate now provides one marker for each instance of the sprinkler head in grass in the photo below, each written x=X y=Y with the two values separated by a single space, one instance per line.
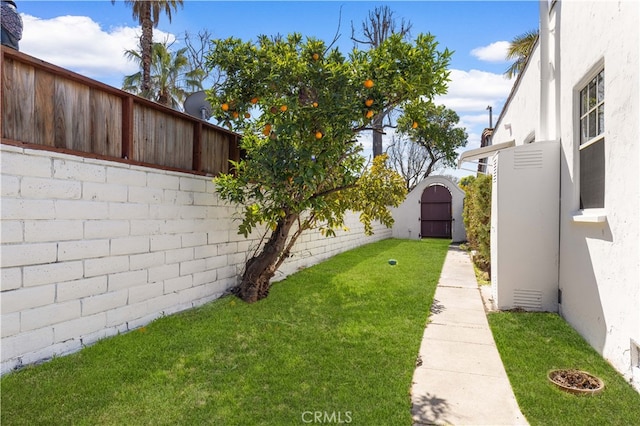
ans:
x=392 y=262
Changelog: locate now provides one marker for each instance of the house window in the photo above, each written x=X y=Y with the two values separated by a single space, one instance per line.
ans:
x=592 y=143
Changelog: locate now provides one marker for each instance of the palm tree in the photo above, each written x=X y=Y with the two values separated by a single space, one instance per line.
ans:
x=519 y=49
x=168 y=80
x=147 y=12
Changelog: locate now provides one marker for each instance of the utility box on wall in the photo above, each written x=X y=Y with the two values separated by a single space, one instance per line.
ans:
x=524 y=227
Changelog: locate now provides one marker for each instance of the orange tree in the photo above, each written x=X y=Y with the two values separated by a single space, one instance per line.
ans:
x=300 y=106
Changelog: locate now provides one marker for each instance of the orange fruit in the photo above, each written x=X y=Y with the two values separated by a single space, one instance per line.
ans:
x=315 y=56
x=283 y=108
x=414 y=125
x=234 y=114
x=368 y=83
x=368 y=102
x=254 y=100
x=273 y=110
x=267 y=130
x=319 y=135
x=247 y=115
x=225 y=106
x=369 y=114
x=315 y=105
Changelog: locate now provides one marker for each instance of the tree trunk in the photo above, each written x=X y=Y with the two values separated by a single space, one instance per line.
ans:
x=146 y=43
x=377 y=135
x=256 y=280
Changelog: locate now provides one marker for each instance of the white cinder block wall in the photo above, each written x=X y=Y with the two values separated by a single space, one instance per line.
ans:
x=92 y=248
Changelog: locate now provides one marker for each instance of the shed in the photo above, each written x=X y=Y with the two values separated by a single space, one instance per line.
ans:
x=433 y=209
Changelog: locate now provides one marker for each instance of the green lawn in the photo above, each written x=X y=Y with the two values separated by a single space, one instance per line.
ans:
x=340 y=338
x=531 y=344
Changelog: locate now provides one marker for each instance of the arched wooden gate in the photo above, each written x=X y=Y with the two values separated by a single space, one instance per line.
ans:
x=435 y=212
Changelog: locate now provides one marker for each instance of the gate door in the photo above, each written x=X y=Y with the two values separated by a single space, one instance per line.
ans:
x=435 y=212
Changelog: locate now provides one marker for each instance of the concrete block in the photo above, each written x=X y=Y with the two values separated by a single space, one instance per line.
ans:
x=77 y=328
x=127 y=279
x=94 y=229
x=126 y=176
x=148 y=226
x=11 y=231
x=10 y=324
x=120 y=316
x=146 y=260
x=105 y=265
x=193 y=184
x=145 y=195
x=228 y=248
x=77 y=170
x=9 y=186
x=81 y=209
x=128 y=211
x=163 y=211
x=193 y=212
x=164 y=181
x=179 y=255
x=44 y=316
x=52 y=273
x=57 y=349
x=217 y=262
x=82 y=249
x=146 y=291
x=27 y=254
x=23 y=343
x=19 y=209
x=204 y=277
x=104 y=302
x=205 y=251
x=22 y=164
x=10 y=278
x=79 y=289
x=176 y=284
x=194 y=239
x=218 y=236
x=31 y=187
x=161 y=303
x=192 y=266
x=164 y=272
x=129 y=245
x=36 y=231
x=204 y=199
x=226 y=272
x=105 y=192
x=165 y=242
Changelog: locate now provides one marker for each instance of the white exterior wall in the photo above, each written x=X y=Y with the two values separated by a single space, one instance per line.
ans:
x=92 y=248
x=407 y=224
x=600 y=262
x=519 y=120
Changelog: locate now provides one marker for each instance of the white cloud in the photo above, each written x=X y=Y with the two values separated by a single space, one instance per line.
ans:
x=495 y=52
x=474 y=90
x=79 y=44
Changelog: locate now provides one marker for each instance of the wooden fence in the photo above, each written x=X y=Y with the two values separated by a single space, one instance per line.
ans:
x=48 y=107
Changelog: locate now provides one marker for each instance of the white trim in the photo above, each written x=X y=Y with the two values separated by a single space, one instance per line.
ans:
x=589 y=216
x=484 y=152
x=592 y=141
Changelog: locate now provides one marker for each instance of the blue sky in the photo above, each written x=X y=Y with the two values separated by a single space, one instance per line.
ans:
x=90 y=37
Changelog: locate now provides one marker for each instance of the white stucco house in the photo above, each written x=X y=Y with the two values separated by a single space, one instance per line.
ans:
x=433 y=209
x=566 y=173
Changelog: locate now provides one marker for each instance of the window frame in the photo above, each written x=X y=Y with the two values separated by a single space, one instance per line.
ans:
x=597 y=213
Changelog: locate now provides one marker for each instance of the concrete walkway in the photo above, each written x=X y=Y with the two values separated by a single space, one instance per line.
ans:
x=461 y=380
